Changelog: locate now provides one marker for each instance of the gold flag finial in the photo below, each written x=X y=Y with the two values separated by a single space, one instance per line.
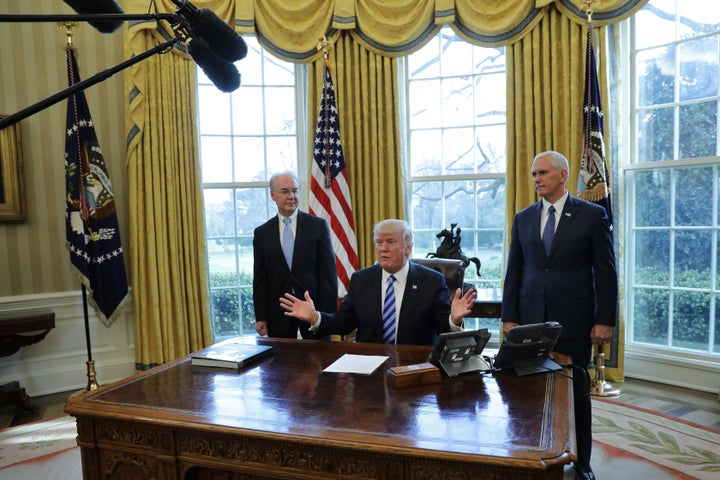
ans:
x=68 y=26
x=324 y=44
x=587 y=6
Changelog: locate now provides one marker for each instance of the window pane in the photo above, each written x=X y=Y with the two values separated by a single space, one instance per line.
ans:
x=458 y=150
x=426 y=146
x=698 y=68
x=694 y=196
x=651 y=201
x=698 y=18
x=656 y=135
x=216 y=159
x=698 y=139
x=249 y=159
x=692 y=258
x=691 y=320
x=213 y=111
x=656 y=77
x=426 y=206
x=652 y=257
x=248 y=113
x=661 y=18
x=490 y=148
x=424 y=107
x=280 y=111
x=650 y=312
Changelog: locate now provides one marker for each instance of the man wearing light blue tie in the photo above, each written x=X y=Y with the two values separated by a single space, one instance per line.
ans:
x=561 y=267
x=292 y=253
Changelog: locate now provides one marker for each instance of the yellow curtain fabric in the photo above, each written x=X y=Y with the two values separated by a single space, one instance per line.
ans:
x=366 y=95
x=167 y=249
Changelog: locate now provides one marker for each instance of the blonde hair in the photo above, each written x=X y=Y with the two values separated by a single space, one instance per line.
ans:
x=393 y=225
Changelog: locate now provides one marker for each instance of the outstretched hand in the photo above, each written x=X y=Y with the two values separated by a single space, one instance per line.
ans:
x=301 y=309
x=462 y=306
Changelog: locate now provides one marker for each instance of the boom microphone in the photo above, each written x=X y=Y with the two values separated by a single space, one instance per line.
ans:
x=98 y=7
x=224 y=75
x=220 y=37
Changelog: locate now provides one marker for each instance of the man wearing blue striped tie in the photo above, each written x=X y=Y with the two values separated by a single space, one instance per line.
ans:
x=393 y=301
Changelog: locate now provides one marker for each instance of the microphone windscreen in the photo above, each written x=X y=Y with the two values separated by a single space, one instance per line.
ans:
x=90 y=7
x=220 y=37
x=224 y=75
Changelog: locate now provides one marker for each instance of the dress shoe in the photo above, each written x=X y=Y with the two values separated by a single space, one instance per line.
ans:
x=584 y=472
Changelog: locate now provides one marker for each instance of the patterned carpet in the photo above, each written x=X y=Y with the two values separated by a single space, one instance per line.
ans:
x=629 y=443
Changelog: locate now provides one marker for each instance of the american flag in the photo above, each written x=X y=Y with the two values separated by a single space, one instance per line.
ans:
x=329 y=191
x=93 y=236
x=593 y=181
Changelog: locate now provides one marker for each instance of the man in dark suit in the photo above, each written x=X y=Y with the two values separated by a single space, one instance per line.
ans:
x=421 y=302
x=312 y=262
x=574 y=283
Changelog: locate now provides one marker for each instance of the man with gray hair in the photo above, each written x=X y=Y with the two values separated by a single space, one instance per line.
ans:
x=393 y=301
x=292 y=253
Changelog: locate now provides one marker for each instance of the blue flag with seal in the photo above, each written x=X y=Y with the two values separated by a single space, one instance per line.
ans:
x=593 y=181
x=93 y=236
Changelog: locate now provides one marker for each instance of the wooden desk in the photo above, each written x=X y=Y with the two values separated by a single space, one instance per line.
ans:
x=284 y=418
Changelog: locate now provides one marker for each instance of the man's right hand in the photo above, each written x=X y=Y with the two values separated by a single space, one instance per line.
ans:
x=261 y=328
x=301 y=309
x=507 y=326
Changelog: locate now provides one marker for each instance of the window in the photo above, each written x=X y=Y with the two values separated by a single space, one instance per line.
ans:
x=245 y=136
x=672 y=183
x=456 y=153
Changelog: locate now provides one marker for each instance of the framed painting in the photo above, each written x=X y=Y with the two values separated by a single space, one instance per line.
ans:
x=12 y=182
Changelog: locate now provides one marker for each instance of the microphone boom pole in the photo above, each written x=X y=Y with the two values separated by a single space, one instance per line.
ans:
x=97 y=78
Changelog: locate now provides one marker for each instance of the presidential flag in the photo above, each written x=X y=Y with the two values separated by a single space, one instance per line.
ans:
x=93 y=236
x=329 y=191
x=593 y=181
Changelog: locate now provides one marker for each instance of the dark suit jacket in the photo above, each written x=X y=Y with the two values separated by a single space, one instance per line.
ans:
x=576 y=285
x=313 y=270
x=424 y=313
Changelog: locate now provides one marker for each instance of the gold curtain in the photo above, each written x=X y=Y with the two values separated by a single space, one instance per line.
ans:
x=167 y=246
x=541 y=36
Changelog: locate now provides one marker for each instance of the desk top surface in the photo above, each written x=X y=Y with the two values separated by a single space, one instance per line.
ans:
x=288 y=394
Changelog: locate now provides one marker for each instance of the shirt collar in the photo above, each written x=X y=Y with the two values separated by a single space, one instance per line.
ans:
x=559 y=205
x=400 y=275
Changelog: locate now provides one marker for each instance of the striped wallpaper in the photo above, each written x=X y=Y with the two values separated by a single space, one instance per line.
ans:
x=33 y=255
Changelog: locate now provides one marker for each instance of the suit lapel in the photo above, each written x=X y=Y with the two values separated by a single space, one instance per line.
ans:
x=409 y=299
x=564 y=221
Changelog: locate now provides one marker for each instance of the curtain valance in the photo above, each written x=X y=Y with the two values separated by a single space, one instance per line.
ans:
x=291 y=28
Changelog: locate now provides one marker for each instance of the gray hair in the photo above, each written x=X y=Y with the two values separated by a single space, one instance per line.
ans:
x=393 y=225
x=280 y=174
x=557 y=160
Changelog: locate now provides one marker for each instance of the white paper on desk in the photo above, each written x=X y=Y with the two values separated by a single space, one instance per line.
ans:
x=349 y=363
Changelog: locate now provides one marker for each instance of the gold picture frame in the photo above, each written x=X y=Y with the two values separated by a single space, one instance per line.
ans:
x=12 y=181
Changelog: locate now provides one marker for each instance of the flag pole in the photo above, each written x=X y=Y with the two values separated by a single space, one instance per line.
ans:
x=92 y=377
x=599 y=387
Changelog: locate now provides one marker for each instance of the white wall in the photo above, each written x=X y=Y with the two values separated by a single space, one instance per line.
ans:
x=58 y=363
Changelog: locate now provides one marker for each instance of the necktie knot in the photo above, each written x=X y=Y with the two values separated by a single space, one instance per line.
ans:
x=288 y=220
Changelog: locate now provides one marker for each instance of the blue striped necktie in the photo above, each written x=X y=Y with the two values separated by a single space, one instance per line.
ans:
x=549 y=231
x=288 y=242
x=389 y=312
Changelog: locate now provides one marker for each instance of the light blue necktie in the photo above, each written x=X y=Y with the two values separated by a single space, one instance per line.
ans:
x=288 y=242
x=389 y=312
x=549 y=231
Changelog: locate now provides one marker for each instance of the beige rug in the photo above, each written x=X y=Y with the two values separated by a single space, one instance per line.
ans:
x=629 y=443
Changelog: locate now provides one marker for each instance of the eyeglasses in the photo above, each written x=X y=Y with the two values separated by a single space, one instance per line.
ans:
x=285 y=192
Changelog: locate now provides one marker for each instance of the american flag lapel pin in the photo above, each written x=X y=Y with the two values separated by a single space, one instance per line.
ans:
x=414 y=287
x=568 y=214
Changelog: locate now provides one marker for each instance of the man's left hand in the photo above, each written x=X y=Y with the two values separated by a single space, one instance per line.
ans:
x=601 y=334
x=462 y=306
